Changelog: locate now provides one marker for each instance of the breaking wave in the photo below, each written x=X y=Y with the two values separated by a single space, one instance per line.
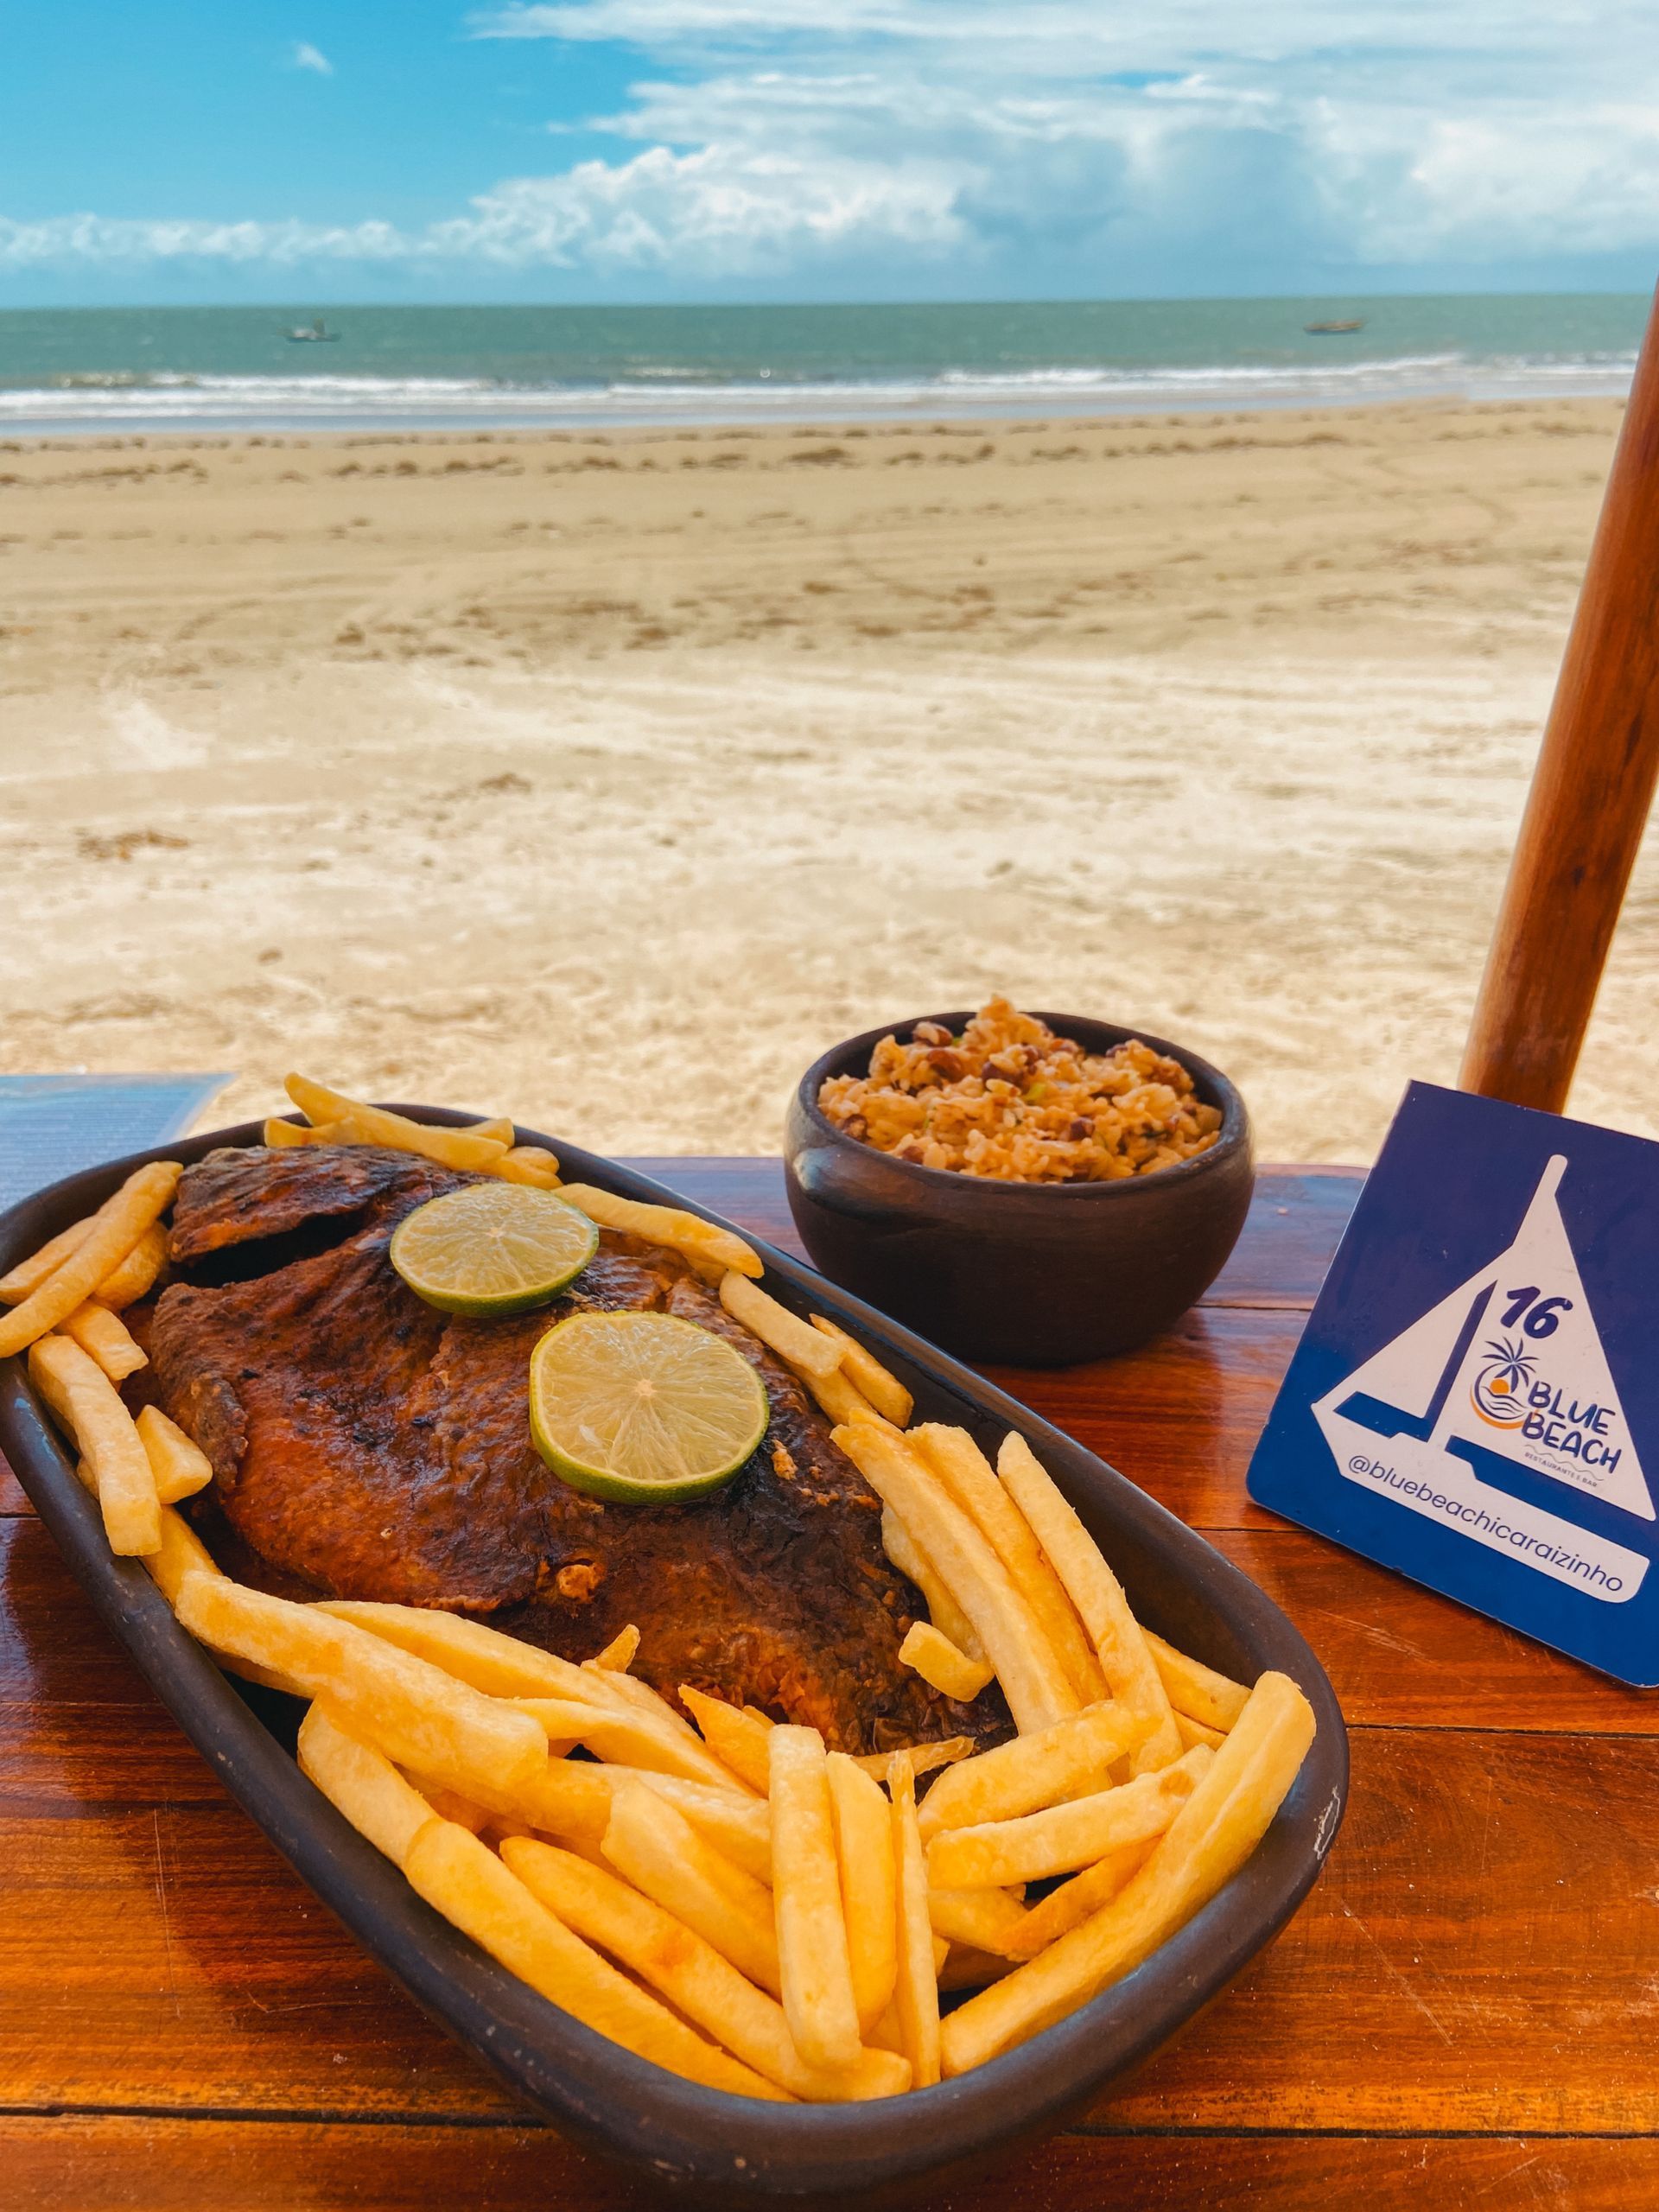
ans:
x=671 y=392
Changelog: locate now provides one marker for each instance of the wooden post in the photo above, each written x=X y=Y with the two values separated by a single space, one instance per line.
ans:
x=1590 y=791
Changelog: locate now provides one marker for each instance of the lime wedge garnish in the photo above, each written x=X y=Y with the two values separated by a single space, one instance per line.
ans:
x=492 y=1247
x=643 y=1407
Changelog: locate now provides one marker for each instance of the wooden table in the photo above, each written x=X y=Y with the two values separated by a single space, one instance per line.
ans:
x=1461 y=2016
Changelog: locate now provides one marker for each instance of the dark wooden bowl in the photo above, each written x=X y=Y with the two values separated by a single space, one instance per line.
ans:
x=1029 y=1275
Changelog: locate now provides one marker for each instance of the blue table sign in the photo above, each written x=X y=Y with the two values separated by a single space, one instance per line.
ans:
x=54 y=1125
x=1475 y=1400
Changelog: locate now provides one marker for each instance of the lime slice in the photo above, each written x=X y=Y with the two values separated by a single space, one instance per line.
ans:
x=492 y=1248
x=643 y=1407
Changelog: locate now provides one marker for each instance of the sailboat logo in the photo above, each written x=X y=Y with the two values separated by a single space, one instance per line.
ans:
x=1496 y=1412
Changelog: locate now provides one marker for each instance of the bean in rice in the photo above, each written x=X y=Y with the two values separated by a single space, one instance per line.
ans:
x=1011 y=1101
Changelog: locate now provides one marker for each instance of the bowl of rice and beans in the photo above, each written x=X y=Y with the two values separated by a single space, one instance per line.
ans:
x=1031 y=1188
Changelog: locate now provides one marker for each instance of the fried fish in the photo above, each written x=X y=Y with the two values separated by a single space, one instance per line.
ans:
x=365 y=1446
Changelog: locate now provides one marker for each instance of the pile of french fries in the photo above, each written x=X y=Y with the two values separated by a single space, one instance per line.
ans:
x=65 y=1302
x=480 y=1148
x=731 y=1900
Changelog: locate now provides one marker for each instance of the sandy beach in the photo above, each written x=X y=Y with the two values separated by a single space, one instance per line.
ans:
x=606 y=779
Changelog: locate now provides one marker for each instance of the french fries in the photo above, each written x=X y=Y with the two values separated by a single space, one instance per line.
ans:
x=911 y=1560
x=688 y=1910
x=863 y=1369
x=1194 y=1689
x=916 y=1994
x=737 y=1737
x=499 y=1665
x=737 y=1734
x=104 y=1336
x=420 y=1717
x=362 y=1783
x=85 y=1401
x=464 y=1880
x=1032 y=1678
x=115 y=1229
x=511 y=1168
x=567 y=1798
x=983 y=1920
x=352 y=1122
x=806 y=1351
x=617 y=1656
x=1062 y=1838
x=694 y=1976
x=1068 y=1760
x=925 y=1758
x=534 y=1157
x=688 y=1234
x=1049 y=1919
x=19 y=1282
x=1098 y=1596
x=630 y=1737
x=967 y=1475
x=282 y=1135
x=1221 y=1823
x=869 y=1898
x=179 y=1467
x=941 y=1665
x=482 y=1147
x=179 y=1551
x=813 y=1961
x=626 y=1689
x=838 y=1395
x=1193 y=1733
x=528 y=1163
x=654 y=1846
x=134 y=1277
x=450 y=1805
x=740 y=1828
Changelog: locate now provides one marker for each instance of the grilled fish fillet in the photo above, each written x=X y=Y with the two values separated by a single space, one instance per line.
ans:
x=365 y=1446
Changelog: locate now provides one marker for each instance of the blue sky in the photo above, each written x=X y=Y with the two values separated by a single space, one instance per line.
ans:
x=651 y=149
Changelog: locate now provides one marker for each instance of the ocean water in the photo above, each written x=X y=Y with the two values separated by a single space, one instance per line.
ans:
x=196 y=369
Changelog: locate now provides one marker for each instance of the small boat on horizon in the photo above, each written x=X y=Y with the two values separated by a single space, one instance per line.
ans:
x=1333 y=329
x=315 y=335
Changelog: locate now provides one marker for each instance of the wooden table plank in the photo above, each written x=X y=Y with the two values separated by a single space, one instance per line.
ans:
x=314 y=2165
x=1403 y=1657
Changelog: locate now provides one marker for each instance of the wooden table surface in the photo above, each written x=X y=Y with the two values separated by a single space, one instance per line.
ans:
x=1461 y=2016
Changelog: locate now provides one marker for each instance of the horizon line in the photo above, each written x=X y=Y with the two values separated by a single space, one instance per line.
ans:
x=296 y=302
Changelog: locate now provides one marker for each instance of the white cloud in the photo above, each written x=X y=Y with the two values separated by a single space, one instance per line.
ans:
x=103 y=239
x=708 y=214
x=721 y=210
x=308 y=57
x=1067 y=142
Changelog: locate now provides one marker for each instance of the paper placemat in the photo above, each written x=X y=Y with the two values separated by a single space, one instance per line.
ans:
x=54 y=1125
